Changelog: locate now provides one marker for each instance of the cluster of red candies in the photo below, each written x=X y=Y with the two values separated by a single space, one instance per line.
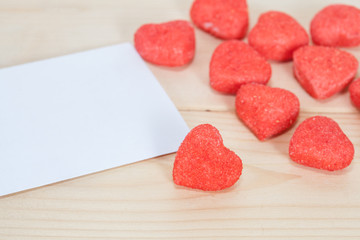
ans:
x=240 y=68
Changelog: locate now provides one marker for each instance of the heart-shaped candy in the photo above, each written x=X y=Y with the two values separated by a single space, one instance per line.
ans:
x=169 y=44
x=277 y=35
x=324 y=71
x=336 y=25
x=266 y=111
x=234 y=63
x=319 y=142
x=226 y=19
x=354 y=90
x=203 y=162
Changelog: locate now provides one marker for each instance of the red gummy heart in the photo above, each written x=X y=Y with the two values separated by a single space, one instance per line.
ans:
x=277 y=35
x=169 y=44
x=226 y=19
x=234 y=63
x=203 y=162
x=323 y=71
x=336 y=25
x=354 y=90
x=266 y=111
x=319 y=142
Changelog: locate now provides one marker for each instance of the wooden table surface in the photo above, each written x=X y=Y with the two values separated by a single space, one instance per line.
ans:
x=274 y=198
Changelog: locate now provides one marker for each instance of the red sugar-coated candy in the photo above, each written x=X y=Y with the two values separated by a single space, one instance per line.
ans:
x=324 y=71
x=226 y=19
x=168 y=44
x=354 y=90
x=266 y=111
x=203 y=162
x=337 y=26
x=277 y=35
x=234 y=63
x=319 y=142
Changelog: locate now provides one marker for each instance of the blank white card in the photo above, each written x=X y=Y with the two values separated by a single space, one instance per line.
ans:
x=77 y=114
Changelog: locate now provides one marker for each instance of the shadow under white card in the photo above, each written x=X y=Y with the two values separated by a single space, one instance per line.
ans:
x=82 y=113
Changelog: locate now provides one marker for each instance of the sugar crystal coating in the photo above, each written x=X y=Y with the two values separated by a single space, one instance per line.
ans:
x=319 y=142
x=277 y=35
x=203 y=162
x=324 y=71
x=354 y=90
x=266 y=111
x=168 y=44
x=234 y=63
x=336 y=25
x=226 y=19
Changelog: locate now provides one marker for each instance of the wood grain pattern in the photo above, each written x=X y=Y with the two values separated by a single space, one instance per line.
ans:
x=274 y=198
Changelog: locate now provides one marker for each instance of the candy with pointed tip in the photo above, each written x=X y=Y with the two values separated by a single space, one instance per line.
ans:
x=319 y=142
x=266 y=111
x=226 y=19
x=203 y=162
x=336 y=25
x=324 y=71
x=169 y=44
x=234 y=63
x=277 y=35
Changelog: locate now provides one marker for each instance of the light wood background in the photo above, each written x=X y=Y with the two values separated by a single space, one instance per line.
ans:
x=274 y=198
